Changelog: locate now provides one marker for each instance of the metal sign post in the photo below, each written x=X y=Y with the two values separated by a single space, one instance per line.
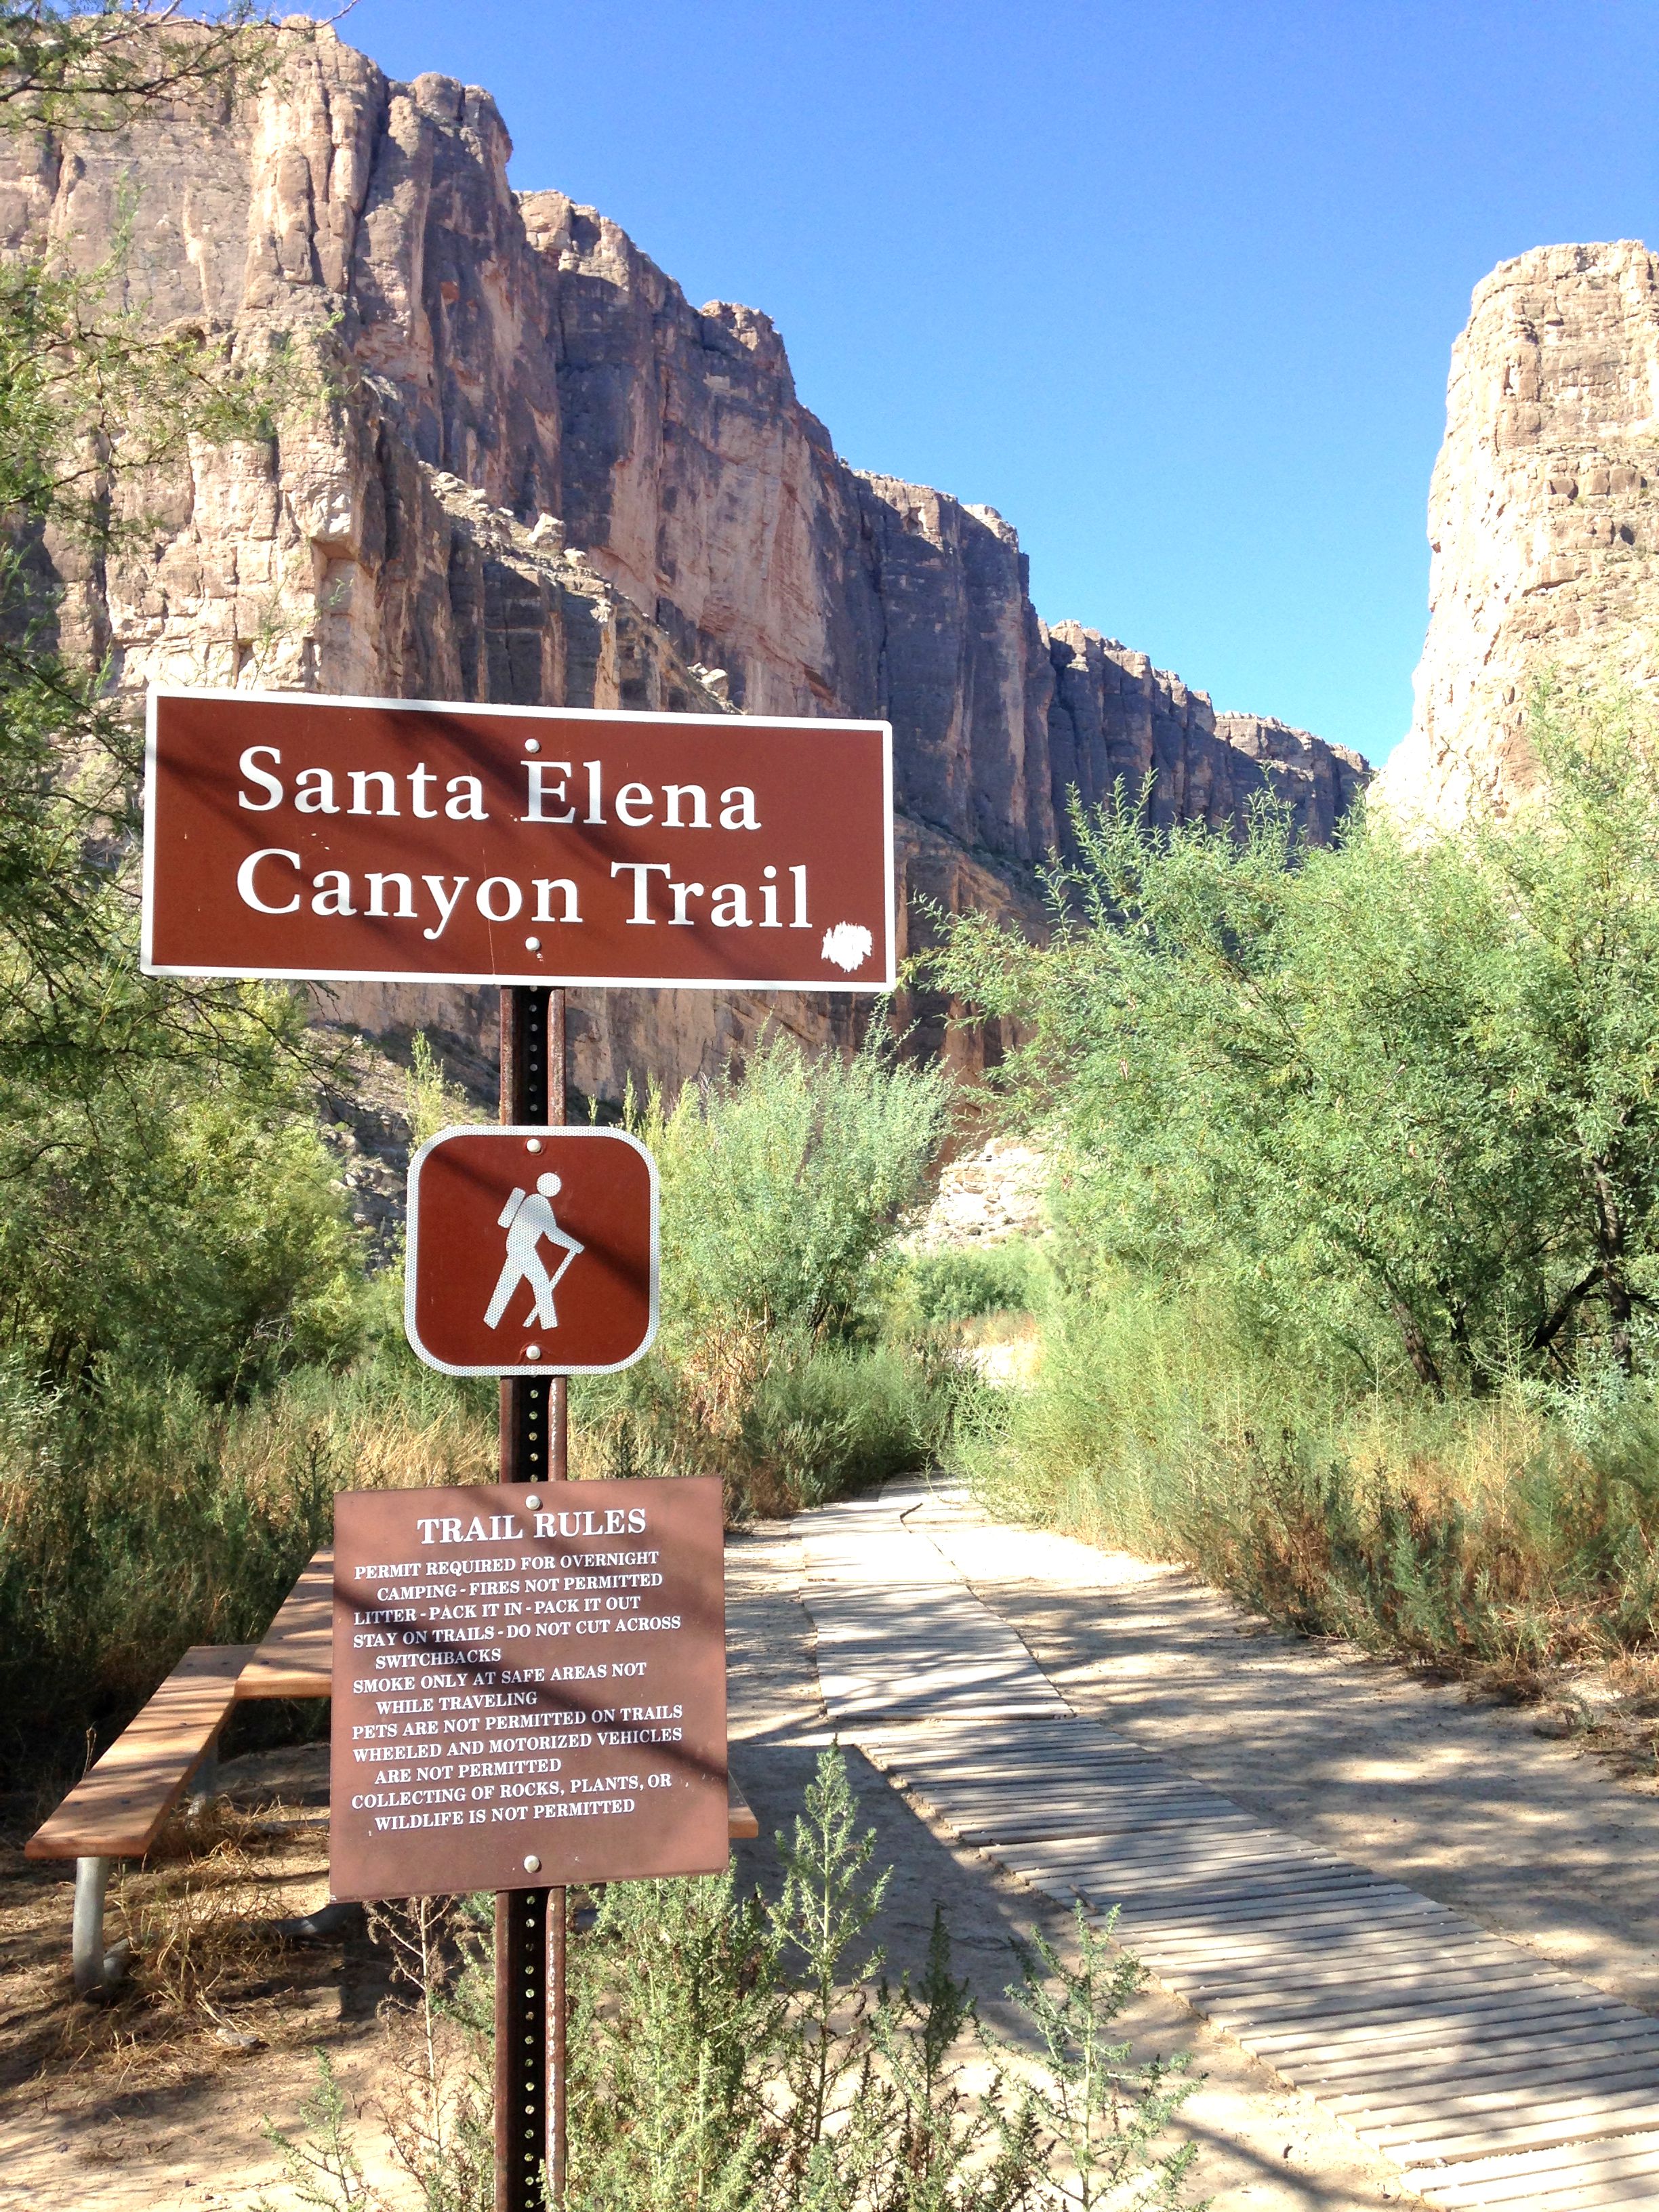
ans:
x=531 y=1925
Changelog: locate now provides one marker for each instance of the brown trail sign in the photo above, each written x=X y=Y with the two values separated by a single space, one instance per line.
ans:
x=287 y=834
x=529 y=1687
x=532 y=1252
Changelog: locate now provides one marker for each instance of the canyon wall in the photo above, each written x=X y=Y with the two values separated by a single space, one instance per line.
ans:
x=541 y=476
x=1542 y=517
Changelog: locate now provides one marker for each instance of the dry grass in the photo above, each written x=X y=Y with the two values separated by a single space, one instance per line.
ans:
x=1512 y=1539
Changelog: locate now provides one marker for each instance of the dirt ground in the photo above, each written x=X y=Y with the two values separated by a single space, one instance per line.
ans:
x=157 y=2102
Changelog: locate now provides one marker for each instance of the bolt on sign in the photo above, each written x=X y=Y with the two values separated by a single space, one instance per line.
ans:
x=532 y=1251
x=289 y=835
x=529 y=1687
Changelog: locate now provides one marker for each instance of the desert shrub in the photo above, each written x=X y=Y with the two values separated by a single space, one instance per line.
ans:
x=964 y=1282
x=731 y=2052
x=1503 y=1535
x=783 y=1187
x=784 y=1193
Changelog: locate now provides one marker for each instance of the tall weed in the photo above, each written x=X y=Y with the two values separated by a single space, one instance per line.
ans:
x=784 y=1194
x=730 y=2053
x=148 y=1517
x=1503 y=1535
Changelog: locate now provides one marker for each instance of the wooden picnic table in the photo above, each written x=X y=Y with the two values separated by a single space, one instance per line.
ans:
x=121 y=1804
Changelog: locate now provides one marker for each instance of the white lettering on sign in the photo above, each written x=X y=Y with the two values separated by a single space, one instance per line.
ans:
x=310 y=835
x=391 y=895
x=449 y=1735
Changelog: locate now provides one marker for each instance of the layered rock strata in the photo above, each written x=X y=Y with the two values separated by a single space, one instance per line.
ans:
x=1543 y=517
x=541 y=476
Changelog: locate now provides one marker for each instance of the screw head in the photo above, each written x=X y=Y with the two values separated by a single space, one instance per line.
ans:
x=533 y=1144
x=532 y=1352
x=532 y=745
x=533 y=1501
x=532 y=945
x=533 y=1864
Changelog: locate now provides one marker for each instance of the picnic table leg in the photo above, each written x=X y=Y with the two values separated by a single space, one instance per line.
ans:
x=96 y=1970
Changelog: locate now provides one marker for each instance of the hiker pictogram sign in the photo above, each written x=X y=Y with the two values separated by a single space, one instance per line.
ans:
x=532 y=1251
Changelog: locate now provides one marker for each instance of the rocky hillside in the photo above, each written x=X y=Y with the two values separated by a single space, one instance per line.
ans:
x=1542 y=515
x=543 y=476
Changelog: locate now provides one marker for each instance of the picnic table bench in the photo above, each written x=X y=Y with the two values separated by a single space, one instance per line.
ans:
x=168 y=1755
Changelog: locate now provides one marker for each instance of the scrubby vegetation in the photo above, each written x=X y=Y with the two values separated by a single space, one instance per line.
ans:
x=730 y=2050
x=171 y=1442
x=786 y=1363
x=1358 y=1209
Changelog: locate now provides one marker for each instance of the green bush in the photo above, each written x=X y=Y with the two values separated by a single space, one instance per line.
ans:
x=784 y=1187
x=734 y=2053
x=964 y=1282
x=176 y=1229
x=783 y=1192
x=1399 y=1096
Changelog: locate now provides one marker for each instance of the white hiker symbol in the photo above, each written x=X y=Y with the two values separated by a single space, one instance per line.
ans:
x=527 y=1220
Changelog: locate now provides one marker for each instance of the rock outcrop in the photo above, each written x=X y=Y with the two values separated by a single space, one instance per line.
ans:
x=541 y=476
x=1543 y=517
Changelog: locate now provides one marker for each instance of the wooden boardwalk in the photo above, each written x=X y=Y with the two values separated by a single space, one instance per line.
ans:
x=1490 y=2077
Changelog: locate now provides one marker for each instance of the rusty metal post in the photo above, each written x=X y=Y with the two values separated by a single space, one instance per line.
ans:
x=530 y=1924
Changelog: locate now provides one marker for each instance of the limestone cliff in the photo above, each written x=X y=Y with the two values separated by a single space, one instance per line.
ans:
x=542 y=476
x=1542 y=516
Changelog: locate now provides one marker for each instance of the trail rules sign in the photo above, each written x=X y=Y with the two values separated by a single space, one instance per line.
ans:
x=289 y=835
x=532 y=1251
x=529 y=1687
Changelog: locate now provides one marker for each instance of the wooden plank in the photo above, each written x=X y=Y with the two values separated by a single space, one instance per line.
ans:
x=295 y=1658
x=1501 y=2012
x=1288 y=1968
x=1254 y=1905
x=1571 y=2124
x=1603 y=2173
x=1509 y=2054
x=739 y=1821
x=1178 y=1857
x=1322 y=1914
x=121 y=1805
x=1265 y=1905
x=1293 y=2053
x=1547 y=2084
x=1252 y=2014
x=1343 y=1924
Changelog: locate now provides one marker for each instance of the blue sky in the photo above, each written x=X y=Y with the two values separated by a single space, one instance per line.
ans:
x=1171 y=285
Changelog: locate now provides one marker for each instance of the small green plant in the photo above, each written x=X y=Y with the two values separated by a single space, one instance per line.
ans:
x=321 y=2166
x=437 y=2113
x=1105 y=2113
x=963 y=1283
x=730 y=2053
